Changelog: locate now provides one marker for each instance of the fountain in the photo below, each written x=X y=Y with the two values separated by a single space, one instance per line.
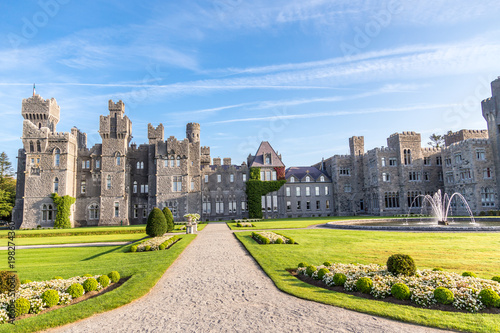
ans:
x=440 y=205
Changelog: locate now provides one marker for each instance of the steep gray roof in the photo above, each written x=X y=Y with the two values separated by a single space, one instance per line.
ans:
x=265 y=148
x=301 y=172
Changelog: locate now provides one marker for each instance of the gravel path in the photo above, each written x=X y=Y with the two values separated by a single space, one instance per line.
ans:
x=216 y=286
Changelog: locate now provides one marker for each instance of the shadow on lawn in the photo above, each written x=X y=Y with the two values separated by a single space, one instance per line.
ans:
x=117 y=248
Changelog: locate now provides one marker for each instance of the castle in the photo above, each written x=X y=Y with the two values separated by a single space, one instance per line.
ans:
x=117 y=182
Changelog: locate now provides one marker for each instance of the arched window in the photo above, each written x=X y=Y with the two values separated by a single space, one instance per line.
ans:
x=94 y=212
x=292 y=180
x=57 y=155
x=56 y=185
x=44 y=212
x=108 y=182
x=322 y=179
x=47 y=213
x=308 y=179
x=118 y=158
x=138 y=165
x=172 y=161
x=38 y=146
x=142 y=165
x=407 y=156
x=32 y=147
x=135 y=187
x=178 y=161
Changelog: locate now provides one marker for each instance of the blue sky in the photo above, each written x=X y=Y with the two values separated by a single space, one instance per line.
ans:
x=304 y=75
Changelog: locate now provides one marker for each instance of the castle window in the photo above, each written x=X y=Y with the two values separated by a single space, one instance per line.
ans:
x=232 y=206
x=219 y=205
x=83 y=186
x=97 y=164
x=206 y=178
x=144 y=212
x=308 y=191
x=318 y=205
x=440 y=176
x=83 y=164
x=298 y=205
x=322 y=178
x=45 y=213
x=427 y=160
x=135 y=187
x=327 y=190
x=136 y=211
x=414 y=176
x=268 y=175
x=458 y=158
x=480 y=155
x=32 y=148
x=386 y=177
x=138 y=165
x=414 y=199
x=244 y=177
x=219 y=178
x=407 y=156
x=288 y=205
x=118 y=158
x=207 y=206
x=347 y=188
x=192 y=184
x=176 y=183
x=308 y=205
x=275 y=203
x=344 y=171
x=172 y=161
x=268 y=158
x=231 y=178
x=57 y=155
x=316 y=189
x=269 y=202
x=56 y=185
x=382 y=161
x=87 y=164
x=274 y=175
x=465 y=174
x=308 y=179
x=391 y=199
x=108 y=182
x=449 y=177
x=262 y=175
x=439 y=160
x=243 y=206
x=142 y=188
x=393 y=161
x=38 y=146
x=292 y=180
x=297 y=191
x=487 y=197
x=327 y=204
x=117 y=209
x=426 y=176
x=94 y=212
x=487 y=173
x=178 y=161
x=287 y=191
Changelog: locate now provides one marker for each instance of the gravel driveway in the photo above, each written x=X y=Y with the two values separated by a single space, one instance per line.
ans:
x=216 y=286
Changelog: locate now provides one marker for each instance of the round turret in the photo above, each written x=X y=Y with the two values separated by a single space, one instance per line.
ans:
x=193 y=132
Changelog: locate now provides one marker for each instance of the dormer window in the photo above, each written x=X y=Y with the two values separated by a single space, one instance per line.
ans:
x=322 y=179
x=292 y=180
x=268 y=159
x=308 y=179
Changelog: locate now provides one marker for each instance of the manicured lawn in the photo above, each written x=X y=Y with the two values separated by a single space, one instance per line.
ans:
x=75 y=239
x=144 y=268
x=301 y=222
x=456 y=252
x=76 y=231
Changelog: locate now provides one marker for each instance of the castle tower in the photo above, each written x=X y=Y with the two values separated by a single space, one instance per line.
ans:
x=490 y=108
x=40 y=112
x=193 y=132
x=116 y=133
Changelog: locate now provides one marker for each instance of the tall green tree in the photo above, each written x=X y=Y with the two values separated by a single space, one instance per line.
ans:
x=7 y=187
x=437 y=140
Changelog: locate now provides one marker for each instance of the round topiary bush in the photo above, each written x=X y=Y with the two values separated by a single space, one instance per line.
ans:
x=57 y=277
x=472 y=274
x=157 y=224
x=310 y=270
x=400 y=291
x=489 y=297
x=169 y=218
x=364 y=285
x=496 y=278
x=133 y=248
x=290 y=240
x=114 y=276
x=103 y=280
x=50 y=297
x=21 y=306
x=327 y=263
x=88 y=275
x=75 y=290
x=147 y=248
x=89 y=285
x=303 y=264
x=322 y=273
x=26 y=281
x=339 y=279
x=279 y=241
x=401 y=264
x=443 y=295
x=162 y=247
x=437 y=269
x=8 y=281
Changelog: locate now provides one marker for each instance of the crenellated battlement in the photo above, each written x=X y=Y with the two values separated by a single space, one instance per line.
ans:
x=464 y=134
x=116 y=107
x=155 y=134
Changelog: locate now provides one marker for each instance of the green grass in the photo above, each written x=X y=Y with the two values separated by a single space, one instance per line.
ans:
x=144 y=268
x=300 y=222
x=74 y=239
x=76 y=231
x=456 y=252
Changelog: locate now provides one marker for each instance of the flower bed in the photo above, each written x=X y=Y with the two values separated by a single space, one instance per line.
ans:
x=244 y=224
x=465 y=289
x=155 y=244
x=267 y=237
x=33 y=293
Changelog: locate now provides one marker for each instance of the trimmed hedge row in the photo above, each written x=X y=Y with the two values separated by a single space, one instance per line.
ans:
x=264 y=240
x=163 y=246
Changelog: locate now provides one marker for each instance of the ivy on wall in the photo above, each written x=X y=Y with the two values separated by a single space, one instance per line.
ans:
x=63 y=205
x=256 y=188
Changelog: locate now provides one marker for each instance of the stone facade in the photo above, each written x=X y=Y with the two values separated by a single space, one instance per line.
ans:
x=117 y=182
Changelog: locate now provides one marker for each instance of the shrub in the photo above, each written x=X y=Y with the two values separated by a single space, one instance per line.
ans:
x=26 y=281
x=75 y=290
x=87 y=275
x=161 y=247
x=339 y=279
x=114 y=276
x=50 y=297
x=482 y=213
x=401 y=264
x=290 y=240
x=400 y=291
x=133 y=248
x=103 y=280
x=438 y=269
x=489 y=297
x=310 y=270
x=469 y=274
x=496 y=278
x=90 y=285
x=279 y=241
x=157 y=223
x=322 y=273
x=57 y=277
x=147 y=248
x=443 y=295
x=303 y=264
x=364 y=285
x=238 y=224
x=327 y=263
x=8 y=281
x=169 y=218
x=21 y=306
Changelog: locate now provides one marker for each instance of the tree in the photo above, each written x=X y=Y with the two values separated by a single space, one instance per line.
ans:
x=7 y=187
x=170 y=219
x=157 y=224
x=437 y=140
